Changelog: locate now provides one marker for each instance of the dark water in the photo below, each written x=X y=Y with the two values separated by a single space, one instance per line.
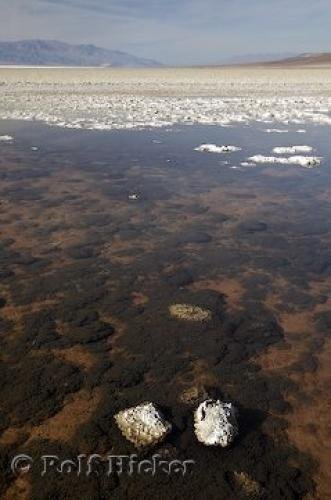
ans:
x=87 y=278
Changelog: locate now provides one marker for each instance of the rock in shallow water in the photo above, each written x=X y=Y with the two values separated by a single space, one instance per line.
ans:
x=192 y=396
x=143 y=425
x=215 y=423
x=248 y=486
x=189 y=312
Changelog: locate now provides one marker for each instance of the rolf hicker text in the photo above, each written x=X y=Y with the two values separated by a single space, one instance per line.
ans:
x=97 y=465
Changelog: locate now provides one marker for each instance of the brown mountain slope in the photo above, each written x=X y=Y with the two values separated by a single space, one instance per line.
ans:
x=320 y=59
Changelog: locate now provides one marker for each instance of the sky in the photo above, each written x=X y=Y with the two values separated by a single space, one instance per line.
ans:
x=175 y=31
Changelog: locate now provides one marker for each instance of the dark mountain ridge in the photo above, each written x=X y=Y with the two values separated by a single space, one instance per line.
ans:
x=55 y=53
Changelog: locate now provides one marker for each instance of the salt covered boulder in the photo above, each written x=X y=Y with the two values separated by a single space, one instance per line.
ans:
x=215 y=423
x=143 y=425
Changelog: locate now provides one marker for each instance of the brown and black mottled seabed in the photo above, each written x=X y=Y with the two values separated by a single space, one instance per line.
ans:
x=87 y=278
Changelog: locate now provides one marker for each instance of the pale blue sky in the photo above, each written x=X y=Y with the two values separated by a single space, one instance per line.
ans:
x=175 y=31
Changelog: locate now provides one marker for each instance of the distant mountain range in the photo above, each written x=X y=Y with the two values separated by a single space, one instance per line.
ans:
x=282 y=59
x=317 y=59
x=255 y=58
x=286 y=59
x=54 y=53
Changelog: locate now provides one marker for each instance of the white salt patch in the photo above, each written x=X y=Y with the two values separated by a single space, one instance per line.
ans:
x=292 y=150
x=6 y=138
x=212 y=148
x=129 y=99
x=303 y=161
x=275 y=131
x=247 y=164
x=301 y=131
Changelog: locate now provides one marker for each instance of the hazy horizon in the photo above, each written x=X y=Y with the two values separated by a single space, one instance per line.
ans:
x=178 y=32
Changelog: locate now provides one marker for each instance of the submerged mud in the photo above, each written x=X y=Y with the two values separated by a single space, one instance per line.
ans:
x=89 y=274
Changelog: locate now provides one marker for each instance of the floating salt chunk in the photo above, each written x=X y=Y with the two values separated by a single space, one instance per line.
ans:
x=292 y=150
x=143 y=425
x=212 y=148
x=301 y=131
x=6 y=138
x=247 y=164
x=276 y=131
x=215 y=423
x=302 y=161
x=34 y=148
x=155 y=141
x=133 y=196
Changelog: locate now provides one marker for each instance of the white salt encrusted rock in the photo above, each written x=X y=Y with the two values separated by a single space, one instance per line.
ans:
x=212 y=148
x=302 y=161
x=6 y=138
x=143 y=425
x=215 y=423
x=292 y=150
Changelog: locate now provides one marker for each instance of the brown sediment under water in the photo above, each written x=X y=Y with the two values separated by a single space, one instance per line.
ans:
x=101 y=232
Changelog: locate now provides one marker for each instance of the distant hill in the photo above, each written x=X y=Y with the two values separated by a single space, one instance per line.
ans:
x=319 y=59
x=54 y=53
x=256 y=58
x=285 y=59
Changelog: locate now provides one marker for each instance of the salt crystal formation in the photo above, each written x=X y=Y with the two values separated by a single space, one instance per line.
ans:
x=212 y=148
x=247 y=164
x=126 y=99
x=292 y=150
x=6 y=138
x=189 y=312
x=276 y=131
x=302 y=161
x=143 y=425
x=215 y=423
